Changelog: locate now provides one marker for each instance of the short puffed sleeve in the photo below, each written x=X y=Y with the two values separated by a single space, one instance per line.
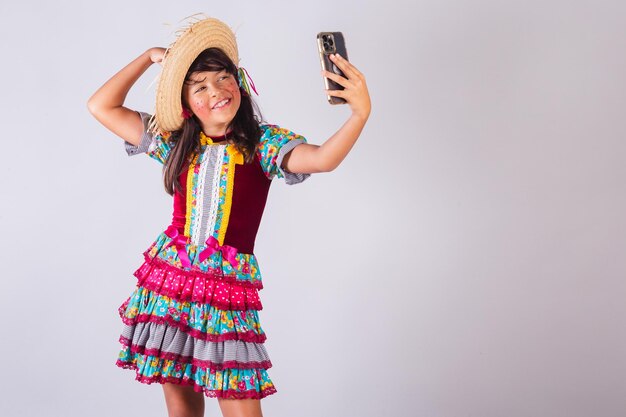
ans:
x=275 y=143
x=156 y=146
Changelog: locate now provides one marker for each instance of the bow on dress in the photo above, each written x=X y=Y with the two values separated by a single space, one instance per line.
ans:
x=228 y=252
x=180 y=241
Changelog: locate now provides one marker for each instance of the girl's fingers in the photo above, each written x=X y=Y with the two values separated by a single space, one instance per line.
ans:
x=337 y=93
x=342 y=81
x=355 y=85
x=355 y=91
x=345 y=65
x=342 y=64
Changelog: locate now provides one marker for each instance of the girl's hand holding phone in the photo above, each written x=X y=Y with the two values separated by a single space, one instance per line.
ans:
x=355 y=90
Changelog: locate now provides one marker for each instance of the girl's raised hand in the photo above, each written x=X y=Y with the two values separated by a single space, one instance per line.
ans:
x=107 y=104
x=308 y=158
x=156 y=54
x=355 y=89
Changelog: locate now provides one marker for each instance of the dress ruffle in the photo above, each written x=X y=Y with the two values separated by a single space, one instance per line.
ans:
x=202 y=321
x=165 y=342
x=226 y=383
x=196 y=326
x=226 y=293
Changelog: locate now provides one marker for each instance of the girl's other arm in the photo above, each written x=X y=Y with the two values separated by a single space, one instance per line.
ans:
x=107 y=104
x=306 y=158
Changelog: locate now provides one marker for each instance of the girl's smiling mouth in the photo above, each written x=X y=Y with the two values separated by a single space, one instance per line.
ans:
x=220 y=104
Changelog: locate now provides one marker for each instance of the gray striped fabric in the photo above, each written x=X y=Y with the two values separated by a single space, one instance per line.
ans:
x=290 y=177
x=172 y=340
x=211 y=153
x=146 y=138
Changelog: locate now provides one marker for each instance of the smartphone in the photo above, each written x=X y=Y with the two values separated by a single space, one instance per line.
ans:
x=331 y=43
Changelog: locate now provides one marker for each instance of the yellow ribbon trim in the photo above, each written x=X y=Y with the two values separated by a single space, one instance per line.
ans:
x=235 y=158
x=188 y=206
x=205 y=140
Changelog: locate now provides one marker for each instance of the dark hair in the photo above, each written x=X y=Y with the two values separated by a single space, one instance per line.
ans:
x=245 y=127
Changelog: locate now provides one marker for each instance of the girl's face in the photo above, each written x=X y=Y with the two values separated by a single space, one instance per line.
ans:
x=214 y=98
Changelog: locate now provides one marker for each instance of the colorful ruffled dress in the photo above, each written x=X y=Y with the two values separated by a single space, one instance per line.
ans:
x=193 y=318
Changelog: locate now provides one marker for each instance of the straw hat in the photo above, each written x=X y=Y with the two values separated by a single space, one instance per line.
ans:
x=200 y=35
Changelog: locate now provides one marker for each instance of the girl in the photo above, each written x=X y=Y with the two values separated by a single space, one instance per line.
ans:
x=192 y=322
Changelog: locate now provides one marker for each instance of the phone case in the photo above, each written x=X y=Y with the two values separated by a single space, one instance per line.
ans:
x=330 y=43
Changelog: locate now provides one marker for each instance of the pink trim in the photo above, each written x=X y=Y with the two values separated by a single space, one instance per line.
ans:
x=195 y=271
x=222 y=294
x=122 y=309
x=250 y=394
x=248 y=336
x=190 y=359
x=214 y=274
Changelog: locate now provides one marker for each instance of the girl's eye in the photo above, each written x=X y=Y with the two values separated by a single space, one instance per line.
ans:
x=199 y=89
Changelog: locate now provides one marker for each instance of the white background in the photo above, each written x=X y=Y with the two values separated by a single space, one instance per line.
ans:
x=467 y=258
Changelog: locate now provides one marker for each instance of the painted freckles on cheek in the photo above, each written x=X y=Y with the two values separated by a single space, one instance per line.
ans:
x=199 y=107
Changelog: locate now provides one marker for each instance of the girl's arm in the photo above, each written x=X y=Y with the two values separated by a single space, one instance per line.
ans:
x=307 y=158
x=107 y=104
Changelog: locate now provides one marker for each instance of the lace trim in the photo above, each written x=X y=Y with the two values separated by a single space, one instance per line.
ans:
x=215 y=192
x=230 y=393
x=196 y=215
x=206 y=156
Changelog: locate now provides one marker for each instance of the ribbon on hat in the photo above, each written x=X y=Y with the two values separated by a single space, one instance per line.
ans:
x=245 y=81
x=228 y=252
x=179 y=241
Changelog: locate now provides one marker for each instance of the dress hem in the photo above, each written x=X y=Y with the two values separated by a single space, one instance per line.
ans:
x=226 y=394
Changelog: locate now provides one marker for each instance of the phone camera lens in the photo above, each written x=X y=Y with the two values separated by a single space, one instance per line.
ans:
x=330 y=41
